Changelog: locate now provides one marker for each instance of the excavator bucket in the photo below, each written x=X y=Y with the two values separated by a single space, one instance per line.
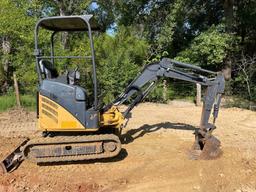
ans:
x=13 y=160
x=211 y=148
x=206 y=148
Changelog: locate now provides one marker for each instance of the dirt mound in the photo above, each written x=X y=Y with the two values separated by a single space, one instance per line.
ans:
x=17 y=122
x=17 y=115
x=154 y=155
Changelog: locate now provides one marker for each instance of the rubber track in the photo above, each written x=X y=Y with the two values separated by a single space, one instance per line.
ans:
x=72 y=140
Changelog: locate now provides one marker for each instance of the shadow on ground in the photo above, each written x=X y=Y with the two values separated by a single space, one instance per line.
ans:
x=129 y=137
x=133 y=134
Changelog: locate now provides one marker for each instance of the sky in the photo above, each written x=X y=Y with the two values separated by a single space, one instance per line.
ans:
x=111 y=30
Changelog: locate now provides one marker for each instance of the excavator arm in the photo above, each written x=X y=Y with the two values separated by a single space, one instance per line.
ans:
x=143 y=84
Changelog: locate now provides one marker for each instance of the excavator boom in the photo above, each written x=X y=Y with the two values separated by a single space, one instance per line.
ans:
x=147 y=79
x=142 y=85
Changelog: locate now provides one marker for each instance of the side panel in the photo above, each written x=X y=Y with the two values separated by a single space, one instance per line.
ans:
x=53 y=117
x=71 y=98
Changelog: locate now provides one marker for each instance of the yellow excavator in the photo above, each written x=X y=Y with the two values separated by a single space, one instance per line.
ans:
x=75 y=126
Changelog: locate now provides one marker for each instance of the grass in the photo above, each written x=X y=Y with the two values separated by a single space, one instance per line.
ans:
x=239 y=102
x=9 y=101
x=29 y=101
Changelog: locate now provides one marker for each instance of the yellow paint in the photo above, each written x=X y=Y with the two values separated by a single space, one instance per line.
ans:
x=112 y=118
x=53 y=117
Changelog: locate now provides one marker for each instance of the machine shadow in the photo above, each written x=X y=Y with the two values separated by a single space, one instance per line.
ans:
x=129 y=137
x=133 y=134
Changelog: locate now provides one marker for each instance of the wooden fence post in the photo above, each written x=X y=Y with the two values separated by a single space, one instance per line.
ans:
x=165 y=90
x=198 y=94
x=16 y=86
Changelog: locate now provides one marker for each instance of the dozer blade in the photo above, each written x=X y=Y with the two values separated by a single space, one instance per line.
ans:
x=13 y=160
x=206 y=148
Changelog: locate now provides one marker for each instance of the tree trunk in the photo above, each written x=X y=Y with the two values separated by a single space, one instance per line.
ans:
x=17 y=93
x=229 y=18
x=6 y=48
x=198 y=94
x=64 y=35
x=229 y=14
x=165 y=91
x=62 y=12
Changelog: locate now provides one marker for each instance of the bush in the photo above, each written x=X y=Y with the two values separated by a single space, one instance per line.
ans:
x=120 y=58
x=209 y=49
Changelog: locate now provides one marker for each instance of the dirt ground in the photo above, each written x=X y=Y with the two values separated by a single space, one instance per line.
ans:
x=154 y=156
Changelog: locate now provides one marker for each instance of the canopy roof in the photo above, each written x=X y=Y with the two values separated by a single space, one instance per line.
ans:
x=69 y=23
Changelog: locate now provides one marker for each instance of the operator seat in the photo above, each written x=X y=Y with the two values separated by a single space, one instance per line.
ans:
x=50 y=72
x=55 y=82
x=47 y=69
x=73 y=77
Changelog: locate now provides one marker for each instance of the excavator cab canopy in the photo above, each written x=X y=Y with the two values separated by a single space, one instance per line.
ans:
x=82 y=23
x=69 y=23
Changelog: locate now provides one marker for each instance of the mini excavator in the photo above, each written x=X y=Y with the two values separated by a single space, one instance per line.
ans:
x=76 y=127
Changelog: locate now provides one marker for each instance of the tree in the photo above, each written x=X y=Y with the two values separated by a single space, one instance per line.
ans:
x=209 y=49
x=15 y=26
x=210 y=33
x=229 y=14
x=64 y=8
x=120 y=58
x=247 y=69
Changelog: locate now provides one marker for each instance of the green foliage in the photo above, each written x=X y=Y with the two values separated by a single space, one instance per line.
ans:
x=156 y=95
x=119 y=60
x=14 y=20
x=209 y=49
x=157 y=57
x=16 y=26
x=27 y=78
x=2 y=78
x=165 y=37
x=192 y=31
x=9 y=101
x=245 y=81
x=240 y=102
x=28 y=101
x=175 y=90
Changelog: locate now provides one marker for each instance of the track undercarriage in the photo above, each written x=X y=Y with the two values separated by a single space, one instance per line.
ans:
x=63 y=149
